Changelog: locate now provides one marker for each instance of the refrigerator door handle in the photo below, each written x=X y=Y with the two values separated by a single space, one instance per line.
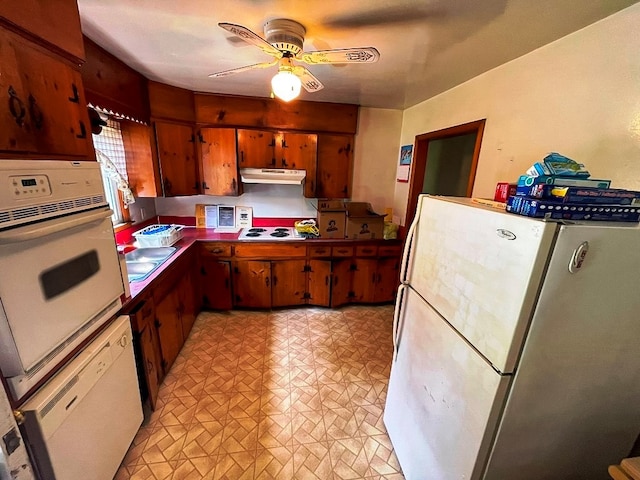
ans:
x=396 y=318
x=406 y=254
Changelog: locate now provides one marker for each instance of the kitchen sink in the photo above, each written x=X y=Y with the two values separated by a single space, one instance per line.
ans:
x=142 y=262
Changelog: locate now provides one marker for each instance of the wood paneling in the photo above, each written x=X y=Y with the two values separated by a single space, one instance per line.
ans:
x=54 y=23
x=110 y=83
x=236 y=111
x=335 y=166
x=219 y=162
x=142 y=171
x=171 y=103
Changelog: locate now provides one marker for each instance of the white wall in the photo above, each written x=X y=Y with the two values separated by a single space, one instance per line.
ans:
x=283 y=201
x=376 y=155
x=579 y=96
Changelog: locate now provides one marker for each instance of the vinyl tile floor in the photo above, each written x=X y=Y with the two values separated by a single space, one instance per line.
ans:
x=286 y=394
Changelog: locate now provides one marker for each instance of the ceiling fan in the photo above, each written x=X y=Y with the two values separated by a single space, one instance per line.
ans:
x=283 y=40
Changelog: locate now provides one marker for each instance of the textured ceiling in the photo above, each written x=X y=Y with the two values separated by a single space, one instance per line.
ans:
x=426 y=47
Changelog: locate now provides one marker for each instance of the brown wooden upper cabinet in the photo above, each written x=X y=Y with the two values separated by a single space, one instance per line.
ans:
x=43 y=109
x=335 y=166
x=219 y=159
x=177 y=158
x=263 y=149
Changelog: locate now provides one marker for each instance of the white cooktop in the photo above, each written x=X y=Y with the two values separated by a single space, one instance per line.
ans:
x=269 y=233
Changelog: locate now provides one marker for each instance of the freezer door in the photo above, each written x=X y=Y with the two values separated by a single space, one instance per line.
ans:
x=443 y=398
x=574 y=405
x=480 y=268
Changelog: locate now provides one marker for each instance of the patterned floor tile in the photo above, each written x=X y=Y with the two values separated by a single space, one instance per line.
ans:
x=348 y=459
x=308 y=427
x=297 y=393
x=203 y=439
x=274 y=464
x=311 y=461
x=275 y=431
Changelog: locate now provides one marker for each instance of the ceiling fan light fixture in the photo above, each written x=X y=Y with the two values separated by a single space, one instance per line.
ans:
x=286 y=85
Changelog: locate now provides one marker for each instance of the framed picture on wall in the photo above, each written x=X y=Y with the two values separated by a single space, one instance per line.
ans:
x=404 y=166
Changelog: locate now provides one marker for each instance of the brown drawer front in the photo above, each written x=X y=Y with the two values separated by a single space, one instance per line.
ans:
x=320 y=251
x=216 y=249
x=390 y=251
x=270 y=251
x=342 y=252
x=366 y=251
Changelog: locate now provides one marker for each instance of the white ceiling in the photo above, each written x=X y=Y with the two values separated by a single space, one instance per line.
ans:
x=426 y=47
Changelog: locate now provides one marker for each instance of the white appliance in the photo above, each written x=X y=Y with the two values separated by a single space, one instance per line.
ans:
x=60 y=276
x=81 y=423
x=280 y=176
x=515 y=346
x=269 y=233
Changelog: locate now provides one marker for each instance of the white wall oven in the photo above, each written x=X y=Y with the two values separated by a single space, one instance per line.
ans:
x=60 y=277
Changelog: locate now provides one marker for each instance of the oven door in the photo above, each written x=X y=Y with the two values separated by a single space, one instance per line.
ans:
x=60 y=281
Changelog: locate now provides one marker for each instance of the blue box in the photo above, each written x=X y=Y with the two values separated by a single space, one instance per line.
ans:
x=528 y=180
x=533 y=207
x=601 y=196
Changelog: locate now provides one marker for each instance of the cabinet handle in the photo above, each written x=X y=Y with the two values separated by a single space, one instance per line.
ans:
x=167 y=185
x=204 y=186
x=216 y=250
x=234 y=186
x=344 y=190
x=284 y=163
x=267 y=281
x=16 y=107
x=196 y=186
x=192 y=139
x=37 y=119
x=241 y=156
x=76 y=96
x=284 y=143
x=275 y=280
x=83 y=131
x=201 y=138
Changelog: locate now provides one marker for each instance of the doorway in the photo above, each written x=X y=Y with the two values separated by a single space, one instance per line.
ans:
x=445 y=163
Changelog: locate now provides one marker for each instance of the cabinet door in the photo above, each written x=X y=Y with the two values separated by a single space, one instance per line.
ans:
x=188 y=310
x=169 y=328
x=387 y=279
x=252 y=284
x=150 y=362
x=365 y=280
x=335 y=164
x=256 y=149
x=43 y=109
x=319 y=282
x=289 y=280
x=219 y=162
x=216 y=284
x=299 y=151
x=341 y=282
x=176 y=154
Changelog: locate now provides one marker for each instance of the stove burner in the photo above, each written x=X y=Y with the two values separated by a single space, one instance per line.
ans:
x=257 y=230
x=253 y=234
x=281 y=229
x=280 y=233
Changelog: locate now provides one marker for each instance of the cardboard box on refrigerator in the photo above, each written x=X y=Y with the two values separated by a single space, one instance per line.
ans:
x=363 y=222
x=331 y=218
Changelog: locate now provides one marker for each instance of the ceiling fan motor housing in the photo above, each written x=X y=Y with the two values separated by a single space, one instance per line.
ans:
x=285 y=35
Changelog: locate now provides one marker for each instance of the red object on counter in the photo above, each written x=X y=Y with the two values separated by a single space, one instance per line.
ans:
x=504 y=190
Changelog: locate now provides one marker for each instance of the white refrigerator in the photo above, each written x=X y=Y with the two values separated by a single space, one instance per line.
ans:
x=516 y=346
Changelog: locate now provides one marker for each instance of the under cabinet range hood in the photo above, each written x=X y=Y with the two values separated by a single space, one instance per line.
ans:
x=278 y=176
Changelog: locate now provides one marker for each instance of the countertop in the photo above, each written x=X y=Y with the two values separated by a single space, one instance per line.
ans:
x=192 y=235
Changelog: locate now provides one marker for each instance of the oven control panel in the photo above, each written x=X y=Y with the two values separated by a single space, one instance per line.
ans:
x=30 y=186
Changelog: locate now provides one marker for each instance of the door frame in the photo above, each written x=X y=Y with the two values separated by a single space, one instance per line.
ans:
x=421 y=147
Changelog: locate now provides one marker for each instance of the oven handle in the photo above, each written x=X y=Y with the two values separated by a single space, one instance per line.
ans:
x=42 y=230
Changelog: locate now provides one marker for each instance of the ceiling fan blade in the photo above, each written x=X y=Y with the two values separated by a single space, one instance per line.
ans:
x=345 y=55
x=309 y=82
x=233 y=71
x=250 y=37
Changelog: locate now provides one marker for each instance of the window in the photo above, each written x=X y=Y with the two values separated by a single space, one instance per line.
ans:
x=109 y=142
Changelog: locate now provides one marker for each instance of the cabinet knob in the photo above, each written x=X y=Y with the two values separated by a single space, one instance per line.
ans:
x=37 y=119
x=204 y=186
x=83 y=130
x=75 y=98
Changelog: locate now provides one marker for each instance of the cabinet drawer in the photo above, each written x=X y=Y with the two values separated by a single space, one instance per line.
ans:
x=389 y=250
x=216 y=249
x=270 y=251
x=319 y=251
x=366 y=251
x=342 y=251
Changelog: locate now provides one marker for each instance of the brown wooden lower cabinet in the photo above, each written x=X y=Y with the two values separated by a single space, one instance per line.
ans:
x=288 y=283
x=342 y=280
x=169 y=328
x=215 y=284
x=252 y=283
x=319 y=290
